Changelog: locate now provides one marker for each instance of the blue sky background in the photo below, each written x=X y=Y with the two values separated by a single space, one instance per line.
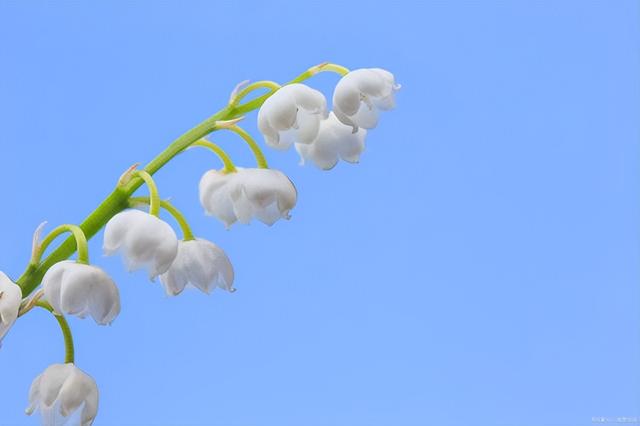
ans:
x=479 y=267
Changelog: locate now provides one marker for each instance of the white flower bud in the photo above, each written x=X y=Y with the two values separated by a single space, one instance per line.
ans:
x=77 y=289
x=292 y=114
x=361 y=93
x=200 y=264
x=265 y=194
x=144 y=239
x=10 y=299
x=64 y=392
x=335 y=140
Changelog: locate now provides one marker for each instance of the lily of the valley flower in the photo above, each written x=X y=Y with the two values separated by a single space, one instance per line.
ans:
x=81 y=290
x=64 y=392
x=292 y=114
x=361 y=93
x=144 y=239
x=201 y=264
x=265 y=194
x=10 y=299
x=335 y=140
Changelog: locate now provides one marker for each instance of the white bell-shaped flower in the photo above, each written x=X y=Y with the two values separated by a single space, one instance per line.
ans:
x=10 y=299
x=335 y=140
x=292 y=114
x=78 y=289
x=64 y=393
x=200 y=264
x=265 y=194
x=361 y=93
x=144 y=239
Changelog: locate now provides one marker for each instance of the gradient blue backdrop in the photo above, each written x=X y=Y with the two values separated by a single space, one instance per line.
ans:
x=479 y=267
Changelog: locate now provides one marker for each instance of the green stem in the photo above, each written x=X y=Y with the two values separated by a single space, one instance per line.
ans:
x=264 y=84
x=154 y=196
x=338 y=69
x=257 y=102
x=117 y=200
x=257 y=152
x=226 y=160
x=187 y=234
x=69 y=355
x=78 y=235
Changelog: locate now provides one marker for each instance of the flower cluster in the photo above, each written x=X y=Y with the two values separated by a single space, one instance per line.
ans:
x=297 y=114
x=293 y=114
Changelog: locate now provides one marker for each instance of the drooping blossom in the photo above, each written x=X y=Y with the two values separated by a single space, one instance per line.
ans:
x=292 y=114
x=63 y=393
x=200 y=264
x=360 y=94
x=78 y=289
x=144 y=240
x=335 y=140
x=265 y=194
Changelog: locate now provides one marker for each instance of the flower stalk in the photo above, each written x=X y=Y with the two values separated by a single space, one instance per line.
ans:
x=255 y=148
x=240 y=93
x=154 y=196
x=290 y=114
x=117 y=200
x=229 y=167
x=78 y=236
x=69 y=352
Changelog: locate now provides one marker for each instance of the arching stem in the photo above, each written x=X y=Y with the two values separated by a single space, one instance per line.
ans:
x=329 y=67
x=154 y=196
x=238 y=95
x=69 y=354
x=255 y=148
x=229 y=167
x=78 y=234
